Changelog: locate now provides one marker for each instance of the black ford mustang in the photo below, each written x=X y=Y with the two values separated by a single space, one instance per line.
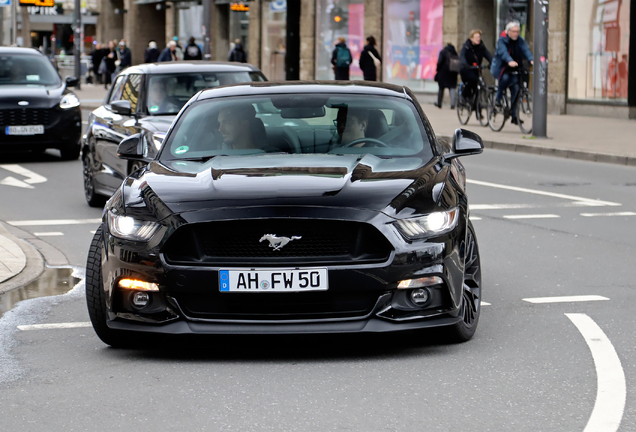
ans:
x=313 y=207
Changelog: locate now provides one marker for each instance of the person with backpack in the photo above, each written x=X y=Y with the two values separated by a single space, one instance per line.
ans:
x=341 y=60
x=471 y=56
x=448 y=66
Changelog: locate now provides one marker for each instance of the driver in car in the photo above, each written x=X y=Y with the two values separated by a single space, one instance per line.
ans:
x=238 y=125
x=352 y=124
x=158 y=102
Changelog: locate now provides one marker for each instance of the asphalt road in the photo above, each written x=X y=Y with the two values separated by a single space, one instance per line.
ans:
x=547 y=227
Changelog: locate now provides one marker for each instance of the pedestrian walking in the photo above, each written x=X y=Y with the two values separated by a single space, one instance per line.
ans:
x=237 y=54
x=151 y=55
x=97 y=55
x=370 y=60
x=341 y=60
x=169 y=53
x=448 y=66
x=472 y=54
x=109 y=61
x=124 y=56
x=192 y=51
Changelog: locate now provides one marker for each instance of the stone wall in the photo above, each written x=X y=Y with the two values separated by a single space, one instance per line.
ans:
x=254 y=43
x=110 y=25
x=142 y=23
x=307 y=39
x=557 y=56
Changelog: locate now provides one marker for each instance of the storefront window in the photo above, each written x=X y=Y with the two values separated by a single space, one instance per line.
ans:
x=514 y=10
x=413 y=40
x=599 y=47
x=336 y=18
x=274 y=45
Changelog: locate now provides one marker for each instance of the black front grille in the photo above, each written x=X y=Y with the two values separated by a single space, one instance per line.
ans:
x=243 y=242
x=24 y=116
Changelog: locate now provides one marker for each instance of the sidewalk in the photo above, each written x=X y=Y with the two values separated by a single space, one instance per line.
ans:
x=575 y=137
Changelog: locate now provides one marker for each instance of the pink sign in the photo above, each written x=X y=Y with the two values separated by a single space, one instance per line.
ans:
x=431 y=36
x=356 y=38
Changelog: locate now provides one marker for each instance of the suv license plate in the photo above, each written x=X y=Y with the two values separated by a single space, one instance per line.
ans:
x=273 y=280
x=24 y=130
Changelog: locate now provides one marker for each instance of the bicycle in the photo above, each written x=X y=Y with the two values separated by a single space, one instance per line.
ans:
x=478 y=102
x=501 y=112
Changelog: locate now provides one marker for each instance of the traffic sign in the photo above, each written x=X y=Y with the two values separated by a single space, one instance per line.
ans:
x=5 y=3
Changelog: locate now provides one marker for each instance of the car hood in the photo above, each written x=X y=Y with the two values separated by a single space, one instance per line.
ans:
x=394 y=186
x=157 y=123
x=37 y=96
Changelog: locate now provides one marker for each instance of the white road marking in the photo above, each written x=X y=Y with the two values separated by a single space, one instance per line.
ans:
x=483 y=303
x=532 y=216
x=531 y=206
x=565 y=299
x=92 y=232
x=12 y=181
x=31 y=177
x=540 y=192
x=474 y=218
x=44 y=222
x=48 y=234
x=54 y=326
x=611 y=389
x=609 y=214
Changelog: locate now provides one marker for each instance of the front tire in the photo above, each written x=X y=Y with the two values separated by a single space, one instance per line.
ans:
x=471 y=295
x=92 y=198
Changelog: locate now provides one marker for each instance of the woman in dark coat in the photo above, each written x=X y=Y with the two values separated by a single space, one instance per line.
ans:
x=110 y=58
x=445 y=77
x=366 y=62
x=471 y=56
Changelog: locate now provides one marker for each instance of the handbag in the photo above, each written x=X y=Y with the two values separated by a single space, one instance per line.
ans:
x=376 y=61
x=102 y=67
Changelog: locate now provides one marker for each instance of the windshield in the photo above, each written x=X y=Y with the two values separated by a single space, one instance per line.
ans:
x=27 y=69
x=168 y=93
x=298 y=124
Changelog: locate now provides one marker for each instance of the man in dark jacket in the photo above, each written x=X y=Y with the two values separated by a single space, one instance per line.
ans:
x=192 y=51
x=96 y=57
x=124 y=56
x=237 y=54
x=151 y=55
x=341 y=60
x=169 y=53
x=511 y=50
x=367 y=63
x=446 y=77
x=472 y=54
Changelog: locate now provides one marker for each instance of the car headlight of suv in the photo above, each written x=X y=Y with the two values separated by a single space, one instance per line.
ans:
x=128 y=228
x=69 y=101
x=431 y=224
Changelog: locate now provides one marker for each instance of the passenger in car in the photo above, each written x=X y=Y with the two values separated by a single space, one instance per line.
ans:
x=157 y=101
x=240 y=128
x=351 y=124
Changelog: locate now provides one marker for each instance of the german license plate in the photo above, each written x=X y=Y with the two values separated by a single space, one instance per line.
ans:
x=273 y=280
x=24 y=130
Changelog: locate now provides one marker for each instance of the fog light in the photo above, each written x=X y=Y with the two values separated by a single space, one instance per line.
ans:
x=419 y=296
x=140 y=299
x=138 y=285
x=420 y=282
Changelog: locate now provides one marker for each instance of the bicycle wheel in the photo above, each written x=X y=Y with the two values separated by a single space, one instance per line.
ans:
x=482 y=107
x=497 y=114
x=524 y=112
x=464 y=110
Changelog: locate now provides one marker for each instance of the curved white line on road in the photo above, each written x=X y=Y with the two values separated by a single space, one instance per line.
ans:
x=611 y=389
x=589 y=201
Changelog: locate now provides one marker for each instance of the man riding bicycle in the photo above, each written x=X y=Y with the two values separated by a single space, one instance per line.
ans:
x=511 y=50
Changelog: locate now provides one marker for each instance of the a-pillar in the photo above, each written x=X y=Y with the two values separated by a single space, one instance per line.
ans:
x=557 y=56
x=110 y=24
x=142 y=23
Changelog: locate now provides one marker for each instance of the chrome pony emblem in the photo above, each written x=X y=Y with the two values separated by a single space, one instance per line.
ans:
x=278 y=242
x=23 y=103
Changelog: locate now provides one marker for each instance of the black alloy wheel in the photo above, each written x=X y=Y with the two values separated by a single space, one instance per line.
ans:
x=471 y=296
x=92 y=198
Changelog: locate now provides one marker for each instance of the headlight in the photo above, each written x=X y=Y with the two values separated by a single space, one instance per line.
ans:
x=69 y=101
x=430 y=224
x=131 y=229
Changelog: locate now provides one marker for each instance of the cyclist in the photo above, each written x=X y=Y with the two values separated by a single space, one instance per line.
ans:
x=471 y=56
x=511 y=50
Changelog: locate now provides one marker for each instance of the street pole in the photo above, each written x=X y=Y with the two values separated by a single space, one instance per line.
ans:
x=540 y=82
x=77 y=39
x=206 y=29
x=14 y=22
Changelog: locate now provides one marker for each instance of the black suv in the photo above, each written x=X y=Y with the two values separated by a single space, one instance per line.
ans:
x=37 y=110
x=145 y=99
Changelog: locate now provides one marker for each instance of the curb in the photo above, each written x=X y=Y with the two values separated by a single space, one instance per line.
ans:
x=557 y=152
x=37 y=253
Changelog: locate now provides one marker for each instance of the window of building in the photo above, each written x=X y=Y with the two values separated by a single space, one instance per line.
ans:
x=412 y=41
x=598 y=50
x=334 y=19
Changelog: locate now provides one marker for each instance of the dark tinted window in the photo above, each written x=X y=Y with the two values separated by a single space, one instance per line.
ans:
x=27 y=69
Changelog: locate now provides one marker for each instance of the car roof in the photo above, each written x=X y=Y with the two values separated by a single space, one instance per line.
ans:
x=191 y=66
x=290 y=87
x=19 y=50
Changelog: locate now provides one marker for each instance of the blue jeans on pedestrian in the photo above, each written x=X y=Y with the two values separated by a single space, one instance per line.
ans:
x=512 y=81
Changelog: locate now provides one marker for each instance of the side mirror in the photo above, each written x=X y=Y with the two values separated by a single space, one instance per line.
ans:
x=131 y=148
x=465 y=143
x=71 y=81
x=121 y=107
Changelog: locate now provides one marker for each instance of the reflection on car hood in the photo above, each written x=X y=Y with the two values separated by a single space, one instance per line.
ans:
x=354 y=181
x=157 y=123
x=37 y=96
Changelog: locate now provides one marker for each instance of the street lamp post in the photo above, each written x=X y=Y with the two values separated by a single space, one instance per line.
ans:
x=206 y=29
x=77 y=39
x=540 y=82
